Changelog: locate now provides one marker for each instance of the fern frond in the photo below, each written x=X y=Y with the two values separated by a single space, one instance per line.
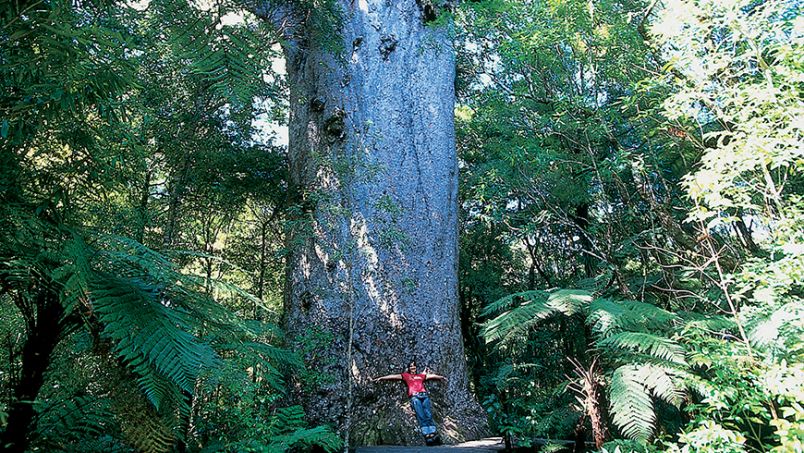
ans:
x=277 y=355
x=659 y=347
x=226 y=288
x=320 y=436
x=224 y=57
x=764 y=331
x=133 y=258
x=74 y=274
x=659 y=380
x=707 y=322
x=512 y=300
x=630 y=392
x=75 y=417
x=570 y=301
x=691 y=382
x=536 y=306
x=516 y=322
x=156 y=388
x=288 y=419
x=631 y=405
x=149 y=335
x=608 y=316
x=144 y=429
x=500 y=379
x=288 y=430
x=262 y=329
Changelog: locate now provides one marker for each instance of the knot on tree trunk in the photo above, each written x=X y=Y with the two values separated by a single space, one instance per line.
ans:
x=334 y=125
x=429 y=13
x=387 y=46
x=317 y=104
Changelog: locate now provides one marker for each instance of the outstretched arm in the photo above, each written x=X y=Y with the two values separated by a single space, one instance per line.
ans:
x=390 y=377
x=434 y=377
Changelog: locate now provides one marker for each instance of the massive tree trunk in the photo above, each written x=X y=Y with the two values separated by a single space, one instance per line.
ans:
x=372 y=277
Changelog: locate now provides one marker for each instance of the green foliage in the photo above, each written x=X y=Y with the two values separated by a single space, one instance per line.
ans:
x=648 y=152
x=631 y=405
x=651 y=365
x=151 y=338
x=533 y=307
x=608 y=317
x=133 y=188
x=710 y=437
x=73 y=420
x=653 y=346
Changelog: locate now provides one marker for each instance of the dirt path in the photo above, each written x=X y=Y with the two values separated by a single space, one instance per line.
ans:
x=490 y=445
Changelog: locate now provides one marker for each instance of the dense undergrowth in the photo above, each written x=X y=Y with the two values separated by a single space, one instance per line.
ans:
x=140 y=234
x=646 y=157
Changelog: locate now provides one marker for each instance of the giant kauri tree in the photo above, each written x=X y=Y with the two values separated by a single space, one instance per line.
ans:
x=372 y=265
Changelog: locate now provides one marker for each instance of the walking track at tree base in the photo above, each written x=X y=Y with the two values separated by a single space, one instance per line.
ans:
x=489 y=445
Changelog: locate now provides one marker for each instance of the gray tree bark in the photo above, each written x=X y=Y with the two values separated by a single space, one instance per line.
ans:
x=372 y=265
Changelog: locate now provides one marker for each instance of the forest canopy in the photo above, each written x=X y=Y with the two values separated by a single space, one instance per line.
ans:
x=629 y=211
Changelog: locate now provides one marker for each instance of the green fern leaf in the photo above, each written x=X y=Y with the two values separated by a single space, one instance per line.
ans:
x=707 y=322
x=150 y=336
x=535 y=307
x=288 y=430
x=512 y=300
x=659 y=380
x=320 y=436
x=515 y=323
x=764 y=331
x=659 y=347
x=631 y=405
x=608 y=316
x=69 y=419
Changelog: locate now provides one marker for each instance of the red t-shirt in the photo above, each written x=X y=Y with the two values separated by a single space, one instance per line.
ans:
x=415 y=382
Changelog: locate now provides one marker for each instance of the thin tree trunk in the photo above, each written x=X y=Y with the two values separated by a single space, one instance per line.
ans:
x=142 y=209
x=581 y=219
x=261 y=278
x=44 y=333
x=746 y=238
x=174 y=205
x=535 y=266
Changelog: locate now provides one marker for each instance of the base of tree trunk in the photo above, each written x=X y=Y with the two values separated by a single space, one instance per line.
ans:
x=397 y=426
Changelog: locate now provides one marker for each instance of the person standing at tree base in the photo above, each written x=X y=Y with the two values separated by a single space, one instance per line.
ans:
x=419 y=398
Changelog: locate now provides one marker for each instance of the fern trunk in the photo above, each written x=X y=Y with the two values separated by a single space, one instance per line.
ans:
x=372 y=276
x=43 y=334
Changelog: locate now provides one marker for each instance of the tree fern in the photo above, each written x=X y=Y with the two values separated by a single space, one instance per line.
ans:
x=707 y=322
x=630 y=333
x=68 y=420
x=306 y=438
x=534 y=307
x=631 y=390
x=142 y=426
x=631 y=404
x=512 y=300
x=150 y=336
x=230 y=60
x=138 y=298
x=765 y=331
x=655 y=346
x=663 y=383
x=288 y=430
x=608 y=316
